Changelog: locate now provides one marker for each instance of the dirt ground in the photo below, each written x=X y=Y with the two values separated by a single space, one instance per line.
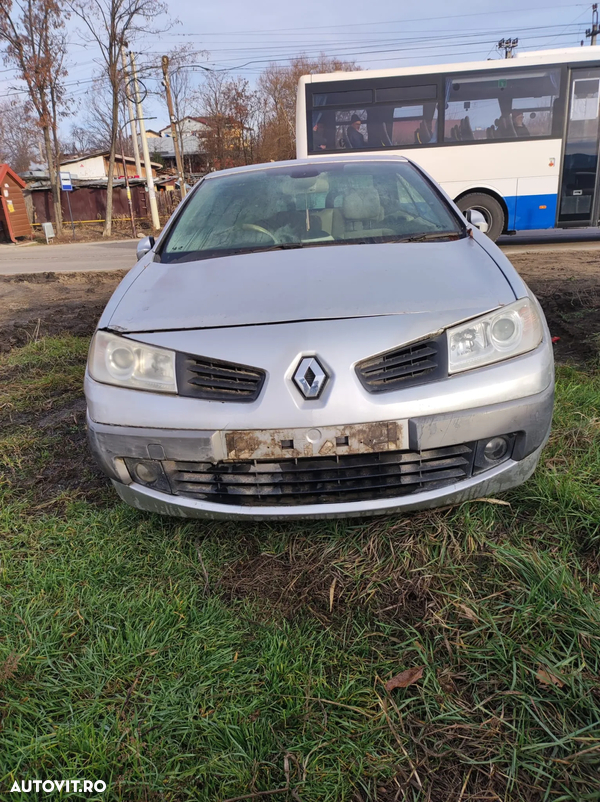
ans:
x=567 y=284
x=35 y=305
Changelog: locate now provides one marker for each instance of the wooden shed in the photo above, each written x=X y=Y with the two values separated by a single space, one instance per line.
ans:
x=14 y=221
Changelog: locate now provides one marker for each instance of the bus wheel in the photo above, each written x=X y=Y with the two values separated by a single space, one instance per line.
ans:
x=489 y=207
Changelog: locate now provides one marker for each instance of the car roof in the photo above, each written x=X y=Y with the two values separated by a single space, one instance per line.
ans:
x=312 y=162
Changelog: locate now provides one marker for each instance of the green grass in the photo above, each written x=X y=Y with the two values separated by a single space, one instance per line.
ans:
x=203 y=661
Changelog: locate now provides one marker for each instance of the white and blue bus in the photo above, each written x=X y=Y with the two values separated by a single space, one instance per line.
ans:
x=517 y=139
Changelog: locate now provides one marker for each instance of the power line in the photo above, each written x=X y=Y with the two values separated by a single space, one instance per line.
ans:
x=390 y=22
x=355 y=52
x=283 y=53
x=407 y=44
x=570 y=24
x=362 y=41
x=366 y=50
x=359 y=37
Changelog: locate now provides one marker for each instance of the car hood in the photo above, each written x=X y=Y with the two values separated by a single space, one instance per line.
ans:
x=316 y=283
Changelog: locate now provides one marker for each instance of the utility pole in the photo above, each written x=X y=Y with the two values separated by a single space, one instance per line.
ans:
x=134 y=139
x=592 y=32
x=127 y=188
x=508 y=45
x=147 y=165
x=173 y=119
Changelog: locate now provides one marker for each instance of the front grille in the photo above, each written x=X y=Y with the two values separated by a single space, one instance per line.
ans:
x=214 y=380
x=321 y=480
x=417 y=363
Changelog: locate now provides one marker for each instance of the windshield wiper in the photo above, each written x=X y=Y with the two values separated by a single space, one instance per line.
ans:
x=429 y=236
x=279 y=246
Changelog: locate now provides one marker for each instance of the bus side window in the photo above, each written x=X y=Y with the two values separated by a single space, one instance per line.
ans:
x=323 y=131
x=414 y=124
x=380 y=126
x=510 y=105
x=352 y=129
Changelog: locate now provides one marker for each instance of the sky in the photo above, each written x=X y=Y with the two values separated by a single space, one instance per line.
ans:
x=245 y=36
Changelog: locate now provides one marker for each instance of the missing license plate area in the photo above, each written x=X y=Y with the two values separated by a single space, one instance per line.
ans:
x=359 y=438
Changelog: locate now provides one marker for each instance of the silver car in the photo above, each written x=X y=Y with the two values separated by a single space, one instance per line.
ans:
x=316 y=339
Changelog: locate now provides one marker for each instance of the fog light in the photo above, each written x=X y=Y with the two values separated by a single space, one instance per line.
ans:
x=147 y=472
x=495 y=449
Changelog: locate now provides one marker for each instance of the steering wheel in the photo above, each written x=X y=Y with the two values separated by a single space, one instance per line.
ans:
x=260 y=229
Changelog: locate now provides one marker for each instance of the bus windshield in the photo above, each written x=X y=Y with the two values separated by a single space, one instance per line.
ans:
x=328 y=204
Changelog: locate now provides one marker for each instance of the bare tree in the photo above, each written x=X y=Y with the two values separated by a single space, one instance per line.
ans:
x=212 y=103
x=80 y=142
x=33 y=35
x=183 y=88
x=230 y=108
x=277 y=87
x=57 y=46
x=242 y=106
x=18 y=135
x=111 y=24
x=95 y=134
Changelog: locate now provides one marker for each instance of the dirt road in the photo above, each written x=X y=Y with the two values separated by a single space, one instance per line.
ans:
x=567 y=284
x=72 y=257
x=556 y=239
x=120 y=254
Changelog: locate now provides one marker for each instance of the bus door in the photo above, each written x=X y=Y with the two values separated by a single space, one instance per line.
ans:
x=578 y=203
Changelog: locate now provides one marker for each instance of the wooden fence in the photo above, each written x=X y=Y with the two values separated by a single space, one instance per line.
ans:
x=88 y=204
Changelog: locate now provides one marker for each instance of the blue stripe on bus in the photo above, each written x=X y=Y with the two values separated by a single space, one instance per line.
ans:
x=511 y=205
x=527 y=212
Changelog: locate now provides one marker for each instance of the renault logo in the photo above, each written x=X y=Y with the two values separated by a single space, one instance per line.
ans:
x=310 y=377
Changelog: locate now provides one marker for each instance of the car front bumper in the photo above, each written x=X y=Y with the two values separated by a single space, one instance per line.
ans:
x=528 y=418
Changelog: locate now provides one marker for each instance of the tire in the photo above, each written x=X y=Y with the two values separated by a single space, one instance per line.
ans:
x=489 y=207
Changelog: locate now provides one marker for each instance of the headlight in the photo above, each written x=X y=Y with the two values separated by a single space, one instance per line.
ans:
x=126 y=363
x=507 y=332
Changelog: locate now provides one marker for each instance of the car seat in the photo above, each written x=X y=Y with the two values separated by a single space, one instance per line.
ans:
x=423 y=134
x=505 y=128
x=362 y=211
x=462 y=131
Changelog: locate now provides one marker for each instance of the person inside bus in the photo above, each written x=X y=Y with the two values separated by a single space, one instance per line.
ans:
x=319 y=140
x=518 y=124
x=353 y=134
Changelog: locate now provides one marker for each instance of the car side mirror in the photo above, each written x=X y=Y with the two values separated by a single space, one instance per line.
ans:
x=144 y=246
x=476 y=219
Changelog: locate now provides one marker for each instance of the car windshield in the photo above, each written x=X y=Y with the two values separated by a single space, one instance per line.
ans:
x=304 y=205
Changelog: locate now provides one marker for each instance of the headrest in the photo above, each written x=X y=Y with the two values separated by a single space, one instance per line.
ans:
x=362 y=206
x=320 y=185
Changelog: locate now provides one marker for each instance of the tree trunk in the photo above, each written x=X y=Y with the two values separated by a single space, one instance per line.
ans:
x=54 y=184
x=57 y=153
x=111 y=162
